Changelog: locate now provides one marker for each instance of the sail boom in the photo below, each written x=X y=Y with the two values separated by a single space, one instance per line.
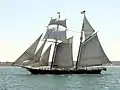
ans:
x=92 y=65
x=89 y=38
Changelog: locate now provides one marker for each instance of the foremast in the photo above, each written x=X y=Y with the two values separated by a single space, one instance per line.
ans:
x=58 y=34
x=53 y=58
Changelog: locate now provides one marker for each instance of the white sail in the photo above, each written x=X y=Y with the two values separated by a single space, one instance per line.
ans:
x=44 y=59
x=28 y=54
x=92 y=53
x=36 y=57
x=29 y=61
x=39 y=52
x=69 y=40
x=58 y=22
x=87 y=28
x=56 y=35
x=64 y=56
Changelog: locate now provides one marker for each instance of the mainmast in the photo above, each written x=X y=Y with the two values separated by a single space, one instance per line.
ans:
x=55 y=43
x=81 y=38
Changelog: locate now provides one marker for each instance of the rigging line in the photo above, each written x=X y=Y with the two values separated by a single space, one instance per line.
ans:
x=67 y=30
x=74 y=31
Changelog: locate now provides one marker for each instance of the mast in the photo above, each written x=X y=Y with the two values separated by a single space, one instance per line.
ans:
x=55 y=43
x=81 y=38
x=90 y=51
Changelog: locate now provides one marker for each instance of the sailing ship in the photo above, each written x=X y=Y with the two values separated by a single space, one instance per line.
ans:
x=90 y=53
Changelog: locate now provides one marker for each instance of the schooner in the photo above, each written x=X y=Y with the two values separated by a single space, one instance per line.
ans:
x=90 y=51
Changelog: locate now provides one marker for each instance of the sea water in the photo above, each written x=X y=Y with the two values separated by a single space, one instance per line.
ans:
x=12 y=78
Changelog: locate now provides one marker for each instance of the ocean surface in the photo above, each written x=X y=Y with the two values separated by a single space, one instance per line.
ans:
x=12 y=78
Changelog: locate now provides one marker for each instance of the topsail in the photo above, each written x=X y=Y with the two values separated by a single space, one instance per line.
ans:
x=52 y=33
x=58 y=22
x=87 y=28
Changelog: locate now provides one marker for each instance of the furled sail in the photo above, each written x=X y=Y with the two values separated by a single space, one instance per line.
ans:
x=44 y=59
x=56 y=35
x=64 y=56
x=58 y=22
x=87 y=28
x=92 y=53
x=28 y=54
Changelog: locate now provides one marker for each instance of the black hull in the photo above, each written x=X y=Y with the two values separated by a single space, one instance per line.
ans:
x=81 y=71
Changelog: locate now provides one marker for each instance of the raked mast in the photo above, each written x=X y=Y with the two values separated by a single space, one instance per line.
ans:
x=55 y=43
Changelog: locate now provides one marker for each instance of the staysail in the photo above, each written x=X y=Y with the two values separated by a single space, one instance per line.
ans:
x=39 y=52
x=45 y=57
x=64 y=56
x=92 y=53
x=87 y=28
x=44 y=60
x=28 y=54
x=36 y=57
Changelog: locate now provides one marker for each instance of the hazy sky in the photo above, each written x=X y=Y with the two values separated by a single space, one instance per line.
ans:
x=22 y=21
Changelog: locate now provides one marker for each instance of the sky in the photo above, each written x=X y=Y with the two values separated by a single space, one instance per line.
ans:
x=22 y=22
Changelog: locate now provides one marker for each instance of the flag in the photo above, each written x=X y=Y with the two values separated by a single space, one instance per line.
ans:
x=58 y=12
x=83 y=12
